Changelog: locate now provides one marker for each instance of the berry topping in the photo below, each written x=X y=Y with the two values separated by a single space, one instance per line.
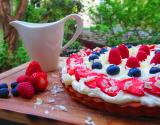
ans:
x=123 y=51
x=132 y=62
x=141 y=55
x=103 y=50
x=96 y=65
x=25 y=90
x=91 y=83
x=145 y=48
x=93 y=57
x=103 y=83
x=113 y=70
x=39 y=81
x=88 y=51
x=96 y=53
x=134 y=86
x=114 y=56
x=152 y=86
x=154 y=70
x=157 y=51
x=134 y=72
x=3 y=85
x=23 y=78
x=32 y=68
x=15 y=92
x=4 y=92
x=14 y=84
x=156 y=59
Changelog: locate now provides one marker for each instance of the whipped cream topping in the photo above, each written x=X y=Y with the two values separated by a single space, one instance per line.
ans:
x=121 y=97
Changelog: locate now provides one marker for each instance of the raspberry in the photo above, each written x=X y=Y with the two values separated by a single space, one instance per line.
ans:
x=25 y=90
x=32 y=68
x=156 y=59
x=114 y=56
x=123 y=51
x=141 y=55
x=23 y=78
x=132 y=62
x=145 y=48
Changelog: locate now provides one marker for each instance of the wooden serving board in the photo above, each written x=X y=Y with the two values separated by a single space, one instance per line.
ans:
x=21 y=110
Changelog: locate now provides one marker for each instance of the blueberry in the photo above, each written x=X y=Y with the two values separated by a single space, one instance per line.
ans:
x=129 y=45
x=93 y=57
x=113 y=70
x=103 y=50
x=14 y=84
x=134 y=72
x=96 y=65
x=4 y=92
x=154 y=70
x=157 y=51
x=3 y=85
x=15 y=92
x=96 y=53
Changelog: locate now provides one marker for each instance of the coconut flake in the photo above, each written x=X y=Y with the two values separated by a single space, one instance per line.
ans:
x=89 y=121
x=51 y=100
x=39 y=101
x=59 y=107
x=56 y=89
x=46 y=112
x=127 y=85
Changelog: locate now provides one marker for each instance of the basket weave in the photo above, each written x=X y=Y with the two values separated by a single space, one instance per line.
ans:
x=130 y=109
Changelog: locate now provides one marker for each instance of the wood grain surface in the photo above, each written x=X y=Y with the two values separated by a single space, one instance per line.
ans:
x=24 y=111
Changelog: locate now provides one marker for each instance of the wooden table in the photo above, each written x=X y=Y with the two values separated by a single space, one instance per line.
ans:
x=23 y=111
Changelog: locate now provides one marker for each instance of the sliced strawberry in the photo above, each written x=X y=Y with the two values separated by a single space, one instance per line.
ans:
x=152 y=47
x=111 y=91
x=39 y=81
x=134 y=86
x=32 y=68
x=103 y=83
x=152 y=86
x=88 y=51
x=92 y=83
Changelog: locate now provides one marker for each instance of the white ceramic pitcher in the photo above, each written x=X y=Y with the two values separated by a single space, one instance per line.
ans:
x=44 y=40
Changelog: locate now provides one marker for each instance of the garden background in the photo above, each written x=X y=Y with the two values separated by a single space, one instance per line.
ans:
x=115 y=21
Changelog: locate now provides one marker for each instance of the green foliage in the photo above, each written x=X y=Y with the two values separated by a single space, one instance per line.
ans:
x=134 y=16
x=9 y=60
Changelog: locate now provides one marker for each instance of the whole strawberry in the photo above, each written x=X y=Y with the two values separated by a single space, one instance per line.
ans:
x=25 y=90
x=22 y=78
x=114 y=56
x=123 y=51
x=132 y=62
x=32 y=68
x=39 y=81
x=141 y=55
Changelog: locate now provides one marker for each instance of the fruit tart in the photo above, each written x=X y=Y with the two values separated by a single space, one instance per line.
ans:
x=122 y=80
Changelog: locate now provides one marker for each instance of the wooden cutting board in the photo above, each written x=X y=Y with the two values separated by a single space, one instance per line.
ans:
x=76 y=114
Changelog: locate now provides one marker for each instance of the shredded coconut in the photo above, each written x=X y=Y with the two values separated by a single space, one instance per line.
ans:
x=51 y=100
x=39 y=101
x=56 y=89
x=59 y=107
x=89 y=121
x=46 y=112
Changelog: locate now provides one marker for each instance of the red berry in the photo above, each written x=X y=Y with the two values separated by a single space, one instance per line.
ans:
x=145 y=48
x=152 y=86
x=132 y=62
x=114 y=56
x=103 y=83
x=134 y=86
x=141 y=55
x=26 y=90
x=91 y=83
x=156 y=59
x=23 y=78
x=39 y=81
x=33 y=67
x=123 y=51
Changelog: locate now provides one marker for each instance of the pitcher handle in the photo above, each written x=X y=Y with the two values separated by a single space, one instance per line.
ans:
x=79 y=22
